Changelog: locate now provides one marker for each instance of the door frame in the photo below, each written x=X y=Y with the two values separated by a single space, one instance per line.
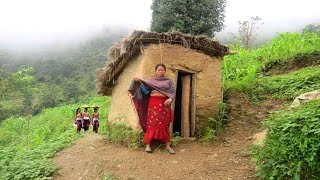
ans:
x=192 y=101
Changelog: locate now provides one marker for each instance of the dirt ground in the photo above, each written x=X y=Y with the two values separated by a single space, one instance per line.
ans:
x=226 y=158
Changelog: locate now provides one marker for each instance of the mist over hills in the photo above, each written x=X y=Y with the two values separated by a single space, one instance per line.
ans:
x=39 y=43
x=268 y=30
x=61 y=72
x=28 y=47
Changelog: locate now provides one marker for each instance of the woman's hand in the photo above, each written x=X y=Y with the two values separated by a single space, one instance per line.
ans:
x=137 y=79
x=168 y=102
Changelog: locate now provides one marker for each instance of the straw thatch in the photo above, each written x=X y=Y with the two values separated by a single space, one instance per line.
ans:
x=130 y=46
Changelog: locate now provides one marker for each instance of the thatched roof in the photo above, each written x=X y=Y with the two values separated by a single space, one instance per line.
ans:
x=123 y=51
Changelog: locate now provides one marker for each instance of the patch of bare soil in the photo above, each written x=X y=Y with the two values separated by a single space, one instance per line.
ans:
x=298 y=62
x=226 y=158
x=258 y=137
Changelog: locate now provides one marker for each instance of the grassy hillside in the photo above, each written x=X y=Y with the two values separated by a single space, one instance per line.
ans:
x=57 y=77
x=27 y=144
x=291 y=149
x=249 y=65
x=246 y=71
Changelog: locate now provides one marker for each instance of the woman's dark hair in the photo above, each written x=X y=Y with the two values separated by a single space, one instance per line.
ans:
x=77 y=111
x=160 y=65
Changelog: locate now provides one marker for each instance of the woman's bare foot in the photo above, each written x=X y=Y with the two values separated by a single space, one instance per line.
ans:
x=148 y=148
x=169 y=149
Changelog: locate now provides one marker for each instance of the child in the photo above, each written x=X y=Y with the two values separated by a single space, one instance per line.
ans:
x=78 y=121
x=95 y=118
x=86 y=119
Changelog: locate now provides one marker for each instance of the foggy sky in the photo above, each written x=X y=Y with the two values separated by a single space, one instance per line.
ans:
x=277 y=15
x=43 y=21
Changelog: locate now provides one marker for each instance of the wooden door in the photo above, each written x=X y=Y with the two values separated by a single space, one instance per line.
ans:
x=185 y=106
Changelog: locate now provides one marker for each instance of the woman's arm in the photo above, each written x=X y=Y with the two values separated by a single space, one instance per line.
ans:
x=172 y=89
x=137 y=79
x=92 y=117
x=168 y=102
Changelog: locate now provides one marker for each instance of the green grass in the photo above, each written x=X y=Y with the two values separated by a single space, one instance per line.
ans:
x=286 y=86
x=214 y=125
x=247 y=64
x=28 y=144
x=291 y=149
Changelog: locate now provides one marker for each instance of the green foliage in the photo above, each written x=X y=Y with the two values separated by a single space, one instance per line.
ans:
x=3 y=86
x=18 y=90
x=209 y=133
x=27 y=144
x=248 y=64
x=291 y=85
x=120 y=133
x=214 y=124
x=188 y=16
x=176 y=138
x=286 y=86
x=245 y=71
x=292 y=146
x=108 y=176
x=312 y=28
x=33 y=81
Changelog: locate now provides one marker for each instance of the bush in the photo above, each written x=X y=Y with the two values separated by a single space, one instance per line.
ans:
x=214 y=124
x=121 y=134
x=291 y=149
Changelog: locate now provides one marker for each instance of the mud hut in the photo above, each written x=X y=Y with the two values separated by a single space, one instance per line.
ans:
x=193 y=62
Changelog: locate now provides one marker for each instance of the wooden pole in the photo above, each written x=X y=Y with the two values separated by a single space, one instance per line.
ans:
x=192 y=105
x=185 y=106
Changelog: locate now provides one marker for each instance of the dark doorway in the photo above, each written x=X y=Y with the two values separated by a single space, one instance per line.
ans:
x=177 y=107
x=183 y=114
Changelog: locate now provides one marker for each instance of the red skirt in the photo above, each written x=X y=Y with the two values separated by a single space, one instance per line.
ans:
x=79 y=124
x=95 y=124
x=158 y=120
x=86 y=124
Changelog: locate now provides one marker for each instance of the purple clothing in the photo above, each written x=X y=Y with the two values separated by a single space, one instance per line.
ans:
x=162 y=84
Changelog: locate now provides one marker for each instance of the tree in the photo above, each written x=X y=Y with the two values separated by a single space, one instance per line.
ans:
x=18 y=93
x=188 y=16
x=23 y=85
x=3 y=83
x=312 y=28
x=247 y=30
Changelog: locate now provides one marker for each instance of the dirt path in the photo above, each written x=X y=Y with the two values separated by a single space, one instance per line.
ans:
x=193 y=160
x=227 y=158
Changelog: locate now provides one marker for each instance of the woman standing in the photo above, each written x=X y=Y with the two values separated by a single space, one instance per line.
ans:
x=86 y=119
x=159 y=113
x=95 y=118
x=78 y=120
